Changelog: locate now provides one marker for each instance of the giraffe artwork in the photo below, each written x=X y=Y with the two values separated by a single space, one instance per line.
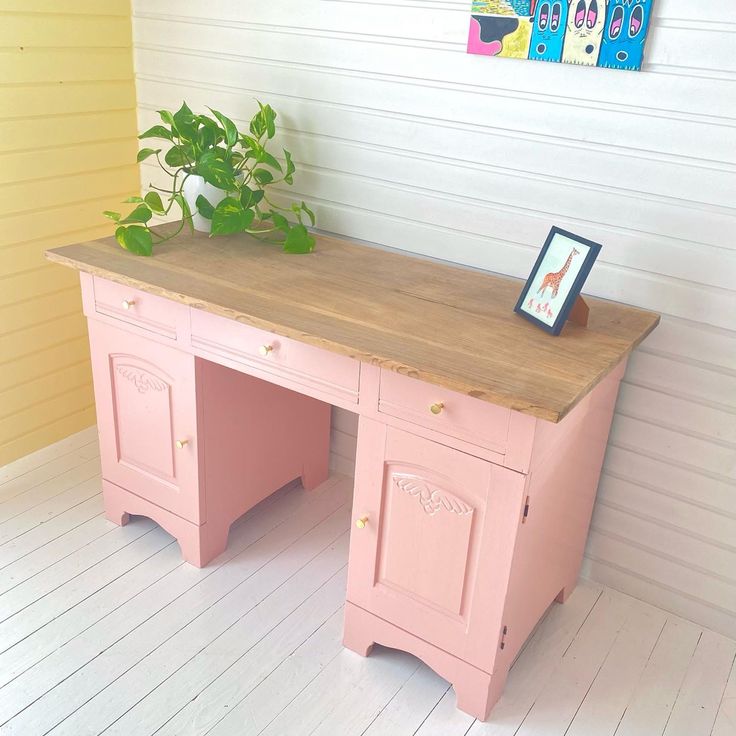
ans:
x=556 y=280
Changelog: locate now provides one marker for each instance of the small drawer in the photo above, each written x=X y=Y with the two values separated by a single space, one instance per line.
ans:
x=138 y=308
x=329 y=376
x=463 y=417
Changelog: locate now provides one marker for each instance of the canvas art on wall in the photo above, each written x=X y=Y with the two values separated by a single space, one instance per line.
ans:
x=604 y=33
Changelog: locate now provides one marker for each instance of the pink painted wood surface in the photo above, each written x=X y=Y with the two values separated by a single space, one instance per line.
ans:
x=199 y=543
x=477 y=422
x=447 y=560
x=326 y=375
x=435 y=554
x=561 y=488
x=146 y=401
x=149 y=313
x=370 y=383
x=476 y=691
x=255 y=437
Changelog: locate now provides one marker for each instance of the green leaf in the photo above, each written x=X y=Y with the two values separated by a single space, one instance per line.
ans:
x=178 y=156
x=290 y=168
x=279 y=221
x=131 y=200
x=145 y=153
x=231 y=130
x=230 y=217
x=166 y=116
x=112 y=215
x=185 y=123
x=204 y=206
x=215 y=171
x=142 y=213
x=310 y=214
x=157 y=131
x=258 y=195
x=136 y=238
x=299 y=240
x=269 y=160
x=246 y=197
x=263 y=176
x=153 y=200
x=269 y=117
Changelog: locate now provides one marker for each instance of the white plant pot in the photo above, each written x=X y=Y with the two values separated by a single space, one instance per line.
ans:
x=195 y=185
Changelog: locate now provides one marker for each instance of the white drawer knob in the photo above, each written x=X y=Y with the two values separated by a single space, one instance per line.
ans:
x=437 y=407
x=265 y=350
x=181 y=444
x=128 y=303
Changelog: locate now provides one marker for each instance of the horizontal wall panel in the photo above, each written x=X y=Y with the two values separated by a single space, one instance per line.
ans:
x=24 y=196
x=698 y=138
x=28 y=31
x=67 y=152
x=674 y=377
x=666 y=511
x=62 y=163
x=46 y=360
x=509 y=151
x=404 y=140
x=20 y=445
x=40 y=390
x=696 y=489
x=119 y=8
x=24 y=314
x=15 y=345
x=33 y=65
x=44 y=279
x=24 y=134
x=61 y=225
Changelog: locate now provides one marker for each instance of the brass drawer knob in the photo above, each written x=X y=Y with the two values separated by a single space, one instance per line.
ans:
x=128 y=303
x=437 y=407
x=181 y=444
x=265 y=350
x=362 y=522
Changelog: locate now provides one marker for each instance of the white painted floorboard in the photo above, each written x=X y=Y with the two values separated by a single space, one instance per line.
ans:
x=105 y=630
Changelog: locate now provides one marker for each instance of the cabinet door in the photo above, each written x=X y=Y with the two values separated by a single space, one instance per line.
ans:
x=147 y=419
x=438 y=529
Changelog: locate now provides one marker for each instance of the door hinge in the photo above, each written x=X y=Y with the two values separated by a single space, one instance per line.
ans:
x=526 y=511
x=504 y=631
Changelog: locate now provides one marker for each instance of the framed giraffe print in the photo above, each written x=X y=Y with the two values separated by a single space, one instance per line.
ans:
x=555 y=282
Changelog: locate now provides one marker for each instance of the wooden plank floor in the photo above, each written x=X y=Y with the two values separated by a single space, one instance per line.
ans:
x=106 y=630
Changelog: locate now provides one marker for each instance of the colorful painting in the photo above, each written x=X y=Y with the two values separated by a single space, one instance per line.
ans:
x=604 y=33
x=556 y=279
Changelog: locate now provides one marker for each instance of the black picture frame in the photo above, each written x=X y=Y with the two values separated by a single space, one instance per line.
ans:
x=593 y=249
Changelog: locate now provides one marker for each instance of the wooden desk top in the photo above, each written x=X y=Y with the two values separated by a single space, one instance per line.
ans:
x=443 y=324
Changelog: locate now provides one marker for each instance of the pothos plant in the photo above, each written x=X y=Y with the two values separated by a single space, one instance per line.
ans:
x=237 y=163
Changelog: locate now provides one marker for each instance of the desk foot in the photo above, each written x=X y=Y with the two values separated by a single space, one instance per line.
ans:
x=476 y=691
x=114 y=509
x=201 y=544
x=567 y=591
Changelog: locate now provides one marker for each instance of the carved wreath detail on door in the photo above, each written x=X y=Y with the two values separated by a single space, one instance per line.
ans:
x=432 y=499
x=140 y=379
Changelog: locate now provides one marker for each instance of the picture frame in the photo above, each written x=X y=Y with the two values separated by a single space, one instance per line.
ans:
x=558 y=276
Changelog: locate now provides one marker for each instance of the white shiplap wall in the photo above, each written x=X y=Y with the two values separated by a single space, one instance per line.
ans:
x=404 y=140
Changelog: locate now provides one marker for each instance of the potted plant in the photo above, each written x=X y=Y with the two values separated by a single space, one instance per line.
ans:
x=219 y=181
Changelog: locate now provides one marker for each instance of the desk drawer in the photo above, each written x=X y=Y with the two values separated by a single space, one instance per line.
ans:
x=472 y=420
x=329 y=376
x=146 y=311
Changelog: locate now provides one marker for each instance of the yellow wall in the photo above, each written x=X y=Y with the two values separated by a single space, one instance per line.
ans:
x=67 y=151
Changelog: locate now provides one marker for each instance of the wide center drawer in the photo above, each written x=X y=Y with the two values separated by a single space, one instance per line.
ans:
x=457 y=415
x=329 y=376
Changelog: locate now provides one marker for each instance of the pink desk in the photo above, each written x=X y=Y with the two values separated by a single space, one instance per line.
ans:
x=480 y=438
